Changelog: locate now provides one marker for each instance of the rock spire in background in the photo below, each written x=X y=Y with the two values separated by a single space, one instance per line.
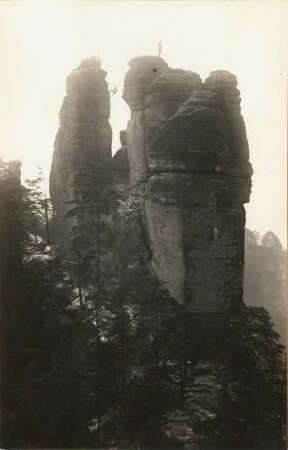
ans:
x=14 y=168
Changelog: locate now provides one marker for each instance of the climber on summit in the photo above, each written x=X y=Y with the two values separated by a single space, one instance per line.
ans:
x=159 y=47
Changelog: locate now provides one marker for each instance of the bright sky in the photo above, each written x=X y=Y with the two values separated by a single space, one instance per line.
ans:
x=41 y=42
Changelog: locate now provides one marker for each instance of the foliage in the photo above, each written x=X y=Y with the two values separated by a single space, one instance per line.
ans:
x=249 y=365
x=39 y=206
x=130 y=370
x=12 y=232
x=265 y=281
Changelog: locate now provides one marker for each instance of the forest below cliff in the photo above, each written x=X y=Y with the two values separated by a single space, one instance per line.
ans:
x=85 y=369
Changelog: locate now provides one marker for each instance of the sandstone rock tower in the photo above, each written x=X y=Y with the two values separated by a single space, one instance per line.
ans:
x=185 y=162
x=84 y=133
x=188 y=153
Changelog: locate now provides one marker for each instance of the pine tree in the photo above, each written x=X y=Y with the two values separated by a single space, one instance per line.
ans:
x=40 y=206
x=249 y=364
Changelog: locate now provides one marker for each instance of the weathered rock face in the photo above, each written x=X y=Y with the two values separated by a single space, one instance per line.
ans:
x=142 y=71
x=153 y=91
x=84 y=133
x=194 y=171
x=195 y=177
x=164 y=95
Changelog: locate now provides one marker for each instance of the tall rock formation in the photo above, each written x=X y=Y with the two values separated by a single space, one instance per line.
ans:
x=84 y=134
x=160 y=263
x=195 y=176
x=180 y=179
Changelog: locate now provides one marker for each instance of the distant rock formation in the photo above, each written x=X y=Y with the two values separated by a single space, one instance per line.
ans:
x=14 y=169
x=265 y=280
x=181 y=177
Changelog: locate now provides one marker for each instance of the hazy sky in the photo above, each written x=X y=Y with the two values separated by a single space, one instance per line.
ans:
x=41 y=42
